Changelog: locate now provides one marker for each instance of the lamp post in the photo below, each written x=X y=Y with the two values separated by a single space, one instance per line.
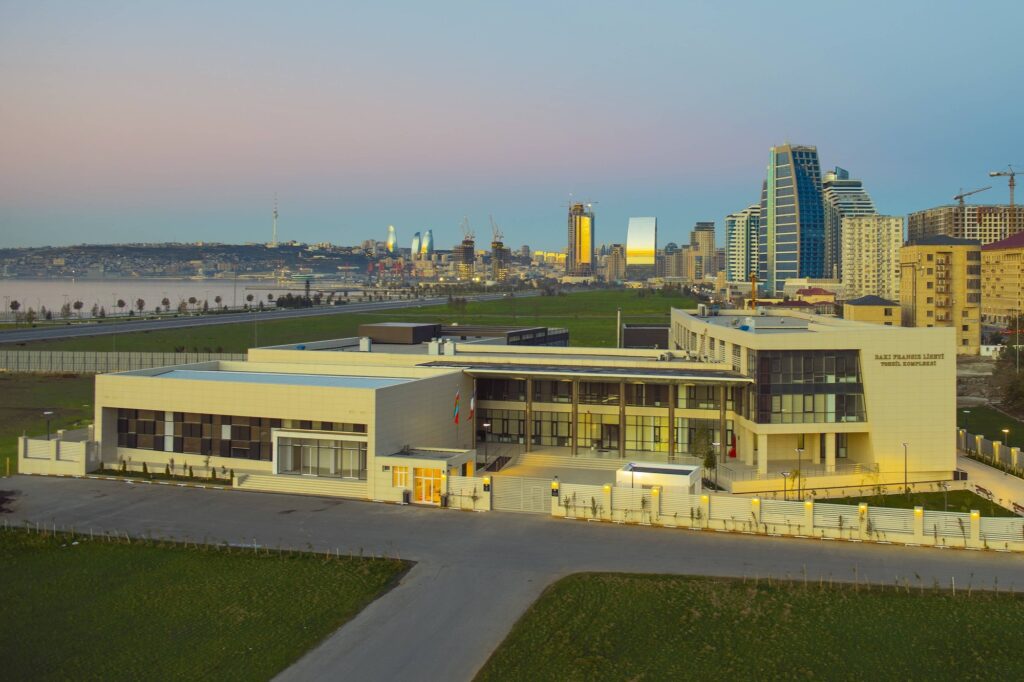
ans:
x=967 y=421
x=48 y=414
x=799 y=473
x=718 y=447
x=1006 y=437
x=785 y=475
x=487 y=429
x=906 y=488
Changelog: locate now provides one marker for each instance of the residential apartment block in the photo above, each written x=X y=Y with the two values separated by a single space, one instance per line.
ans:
x=1002 y=280
x=871 y=255
x=940 y=286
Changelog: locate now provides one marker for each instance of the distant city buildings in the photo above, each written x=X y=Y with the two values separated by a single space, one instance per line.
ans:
x=579 y=260
x=391 y=243
x=501 y=260
x=791 y=237
x=1002 y=280
x=984 y=223
x=427 y=243
x=702 y=261
x=641 y=248
x=615 y=263
x=414 y=250
x=870 y=255
x=940 y=286
x=464 y=259
x=841 y=198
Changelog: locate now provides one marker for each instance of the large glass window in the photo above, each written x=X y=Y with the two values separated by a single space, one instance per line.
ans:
x=647 y=433
x=795 y=387
x=320 y=457
x=506 y=426
x=598 y=431
x=690 y=432
x=552 y=391
x=599 y=393
x=647 y=395
x=501 y=389
x=552 y=428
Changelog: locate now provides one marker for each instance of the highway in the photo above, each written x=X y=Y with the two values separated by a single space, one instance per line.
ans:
x=46 y=333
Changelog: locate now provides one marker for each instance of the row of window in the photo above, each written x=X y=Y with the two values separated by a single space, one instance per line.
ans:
x=321 y=457
x=604 y=393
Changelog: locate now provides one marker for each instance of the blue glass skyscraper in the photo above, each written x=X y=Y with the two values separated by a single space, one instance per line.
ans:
x=791 y=241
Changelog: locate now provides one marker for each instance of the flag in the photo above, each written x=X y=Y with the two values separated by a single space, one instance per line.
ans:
x=472 y=405
x=732 y=450
x=455 y=412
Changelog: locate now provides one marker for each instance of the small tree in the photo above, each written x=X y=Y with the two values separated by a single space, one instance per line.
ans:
x=192 y=301
x=77 y=305
x=15 y=307
x=140 y=305
x=704 y=448
x=165 y=302
x=121 y=304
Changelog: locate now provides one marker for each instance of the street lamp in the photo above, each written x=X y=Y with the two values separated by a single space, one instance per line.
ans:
x=799 y=472
x=487 y=427
x=967 y=420
x=48 y=414
x=1006 y=437
x=906 y=488
x=785 y=475
x=718 y=447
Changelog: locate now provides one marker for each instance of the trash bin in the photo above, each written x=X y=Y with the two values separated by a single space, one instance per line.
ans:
x=405 y=497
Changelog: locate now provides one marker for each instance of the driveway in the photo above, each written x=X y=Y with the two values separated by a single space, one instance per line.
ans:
x=476 y=572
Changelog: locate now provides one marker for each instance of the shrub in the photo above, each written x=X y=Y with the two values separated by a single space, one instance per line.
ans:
x=190 y=473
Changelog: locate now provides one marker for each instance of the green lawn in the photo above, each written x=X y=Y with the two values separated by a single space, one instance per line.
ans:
x=990 y=423
x=589 y=316
x=24 y=398
x=634 y=627
x=954 y=501
x=114 y=611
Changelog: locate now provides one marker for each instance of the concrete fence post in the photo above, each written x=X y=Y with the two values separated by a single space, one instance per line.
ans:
x=808 y=517
x=862 y=519
x=606 y=501
x=655 y=504
x=997 y=450
x=975 y=528
x=977 y=444
x=705 y=509
x=755 y=511
x=919 y=524
x=1015 y=457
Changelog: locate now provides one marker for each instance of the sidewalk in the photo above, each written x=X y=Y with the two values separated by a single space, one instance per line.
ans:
x=1006 y=488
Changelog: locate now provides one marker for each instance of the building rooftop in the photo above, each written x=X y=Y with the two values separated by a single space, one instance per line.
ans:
x=598 y=372
x=320 y=380
x=872 y=300
x=815 y=291
x=1015 y=241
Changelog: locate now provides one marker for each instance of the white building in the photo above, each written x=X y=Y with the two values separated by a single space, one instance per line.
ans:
x=871 y=256
x=741 y=242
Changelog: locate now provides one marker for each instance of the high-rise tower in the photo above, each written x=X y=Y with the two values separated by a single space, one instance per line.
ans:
x=741 y=230
x=427 y=244
x=791 y=240
x=579 y=261
x=702 y=241
x=392 y=241
x=414 y=252
x=841 y=198
x=641 y=248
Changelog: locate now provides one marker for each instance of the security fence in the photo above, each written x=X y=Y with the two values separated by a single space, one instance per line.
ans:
x=97 y=362
x=674 y=508
x=993 y=452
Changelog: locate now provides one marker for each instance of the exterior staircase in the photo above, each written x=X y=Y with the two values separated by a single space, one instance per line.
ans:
x=302 y=485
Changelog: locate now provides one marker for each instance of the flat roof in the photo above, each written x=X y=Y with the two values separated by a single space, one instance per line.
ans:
x=759 y=324
x=595 y=372
x=320 y=380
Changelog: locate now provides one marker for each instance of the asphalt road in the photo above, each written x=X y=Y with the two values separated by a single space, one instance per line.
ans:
x=476 y=573
x=97 y=329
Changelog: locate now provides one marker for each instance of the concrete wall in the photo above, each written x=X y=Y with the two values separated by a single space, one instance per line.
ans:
x=95 y=362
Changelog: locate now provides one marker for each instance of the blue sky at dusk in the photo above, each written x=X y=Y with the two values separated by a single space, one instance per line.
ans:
x=143 y=121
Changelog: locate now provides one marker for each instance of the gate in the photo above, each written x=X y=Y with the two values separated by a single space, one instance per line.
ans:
x=519 y=494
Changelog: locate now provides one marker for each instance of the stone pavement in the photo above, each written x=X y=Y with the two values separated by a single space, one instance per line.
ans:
x=476 y=573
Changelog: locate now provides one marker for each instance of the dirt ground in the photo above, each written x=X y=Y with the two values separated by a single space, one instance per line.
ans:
x=972 y=380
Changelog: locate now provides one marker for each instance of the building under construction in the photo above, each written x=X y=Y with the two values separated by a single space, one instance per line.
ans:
x=984 y=223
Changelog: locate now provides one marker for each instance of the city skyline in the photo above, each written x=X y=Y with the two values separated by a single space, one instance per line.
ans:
x=139 y=124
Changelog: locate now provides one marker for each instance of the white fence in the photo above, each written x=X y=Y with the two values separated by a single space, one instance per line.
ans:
x=96 y=362
x=672 y=507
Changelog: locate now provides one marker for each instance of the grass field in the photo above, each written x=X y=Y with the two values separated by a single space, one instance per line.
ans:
x=990 y=423
x=633 y=627
x=24 y=397
x=113 y=611
x=954 y=501
x=589 y=316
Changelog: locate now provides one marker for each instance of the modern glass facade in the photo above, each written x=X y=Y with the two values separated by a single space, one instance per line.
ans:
x=806 y=386
x=641 y=247
x=842 y=198
x=322 y=457
x=392 y=241
x=194 y=433
x=791 y=240
x=579 y=260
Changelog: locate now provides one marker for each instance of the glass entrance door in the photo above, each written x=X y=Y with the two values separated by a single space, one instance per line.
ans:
x=609 y=436
x=427 y=486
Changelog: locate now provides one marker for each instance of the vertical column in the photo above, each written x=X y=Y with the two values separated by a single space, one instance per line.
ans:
x=655 y=504
x=755 y=511
x=830 y=452
x=919 y=524
x=705 y=511
x=809 y=517
x=762 y=453
x=606 y=502
x=723 y=448
x=528 y=436
x=574 y=426
x=672 y=421
x=622 y=419
x=556 y=506
x=1015 y=458
x=975 y=528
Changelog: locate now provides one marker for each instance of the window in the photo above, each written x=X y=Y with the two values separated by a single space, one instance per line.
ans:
x=551 y=428
x=931 y=257
x=965 y=328
x=321 y=457
x=506 y=426
x=399 y=477
x=888 y=313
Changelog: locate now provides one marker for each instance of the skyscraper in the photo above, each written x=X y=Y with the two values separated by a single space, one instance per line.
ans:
x=741 y=230
x=392 y=241
x=501 y=257
x=427 y=243
x=615 y=264
x=464 y=258
x=791 y=239
x=702 y=241
x=841 y=198
x=414 y=252
x=579 y=261
x=641 y=246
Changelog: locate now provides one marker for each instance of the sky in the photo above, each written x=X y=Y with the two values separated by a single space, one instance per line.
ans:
x=141 y=121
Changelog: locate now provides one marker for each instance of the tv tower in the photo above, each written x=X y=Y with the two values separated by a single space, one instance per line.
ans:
x=273 y=240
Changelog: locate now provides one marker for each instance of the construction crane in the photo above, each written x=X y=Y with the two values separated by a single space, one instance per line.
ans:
x=467 y=232
x=495 y=230
x=1010 y=173
x=960 y=197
